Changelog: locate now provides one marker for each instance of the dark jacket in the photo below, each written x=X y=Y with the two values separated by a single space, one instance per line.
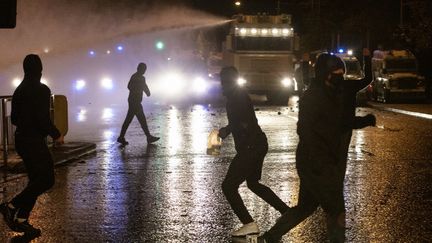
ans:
x=350 y=89
x=137 y=85
x=242 y=122
x=319 y=128
x=31 y=110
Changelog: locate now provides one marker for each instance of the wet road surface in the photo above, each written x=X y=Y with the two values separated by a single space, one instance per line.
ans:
x=171 y=191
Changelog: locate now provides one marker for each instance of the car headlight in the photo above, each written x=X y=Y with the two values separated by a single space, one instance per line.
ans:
x=241 y=81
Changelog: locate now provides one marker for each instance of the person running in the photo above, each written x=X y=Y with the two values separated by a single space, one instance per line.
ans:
x=251 y=146
x=31 y=115
x=137 y=85
x=318 y=163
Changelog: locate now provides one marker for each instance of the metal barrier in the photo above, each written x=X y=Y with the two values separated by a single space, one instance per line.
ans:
x=7 y=128
x=59 y=116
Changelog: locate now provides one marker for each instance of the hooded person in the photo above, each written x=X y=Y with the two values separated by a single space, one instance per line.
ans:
x=317 y=160
x=31 y=115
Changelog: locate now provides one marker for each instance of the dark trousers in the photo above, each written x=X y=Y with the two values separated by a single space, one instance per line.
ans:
x=40 y=170
x=317 y=188
x=135 y=109
x=247 y=166
x=307 y=204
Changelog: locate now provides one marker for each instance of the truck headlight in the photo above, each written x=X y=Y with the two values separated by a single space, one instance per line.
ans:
x=199 y=85
x=287 y=82
x=241 y=81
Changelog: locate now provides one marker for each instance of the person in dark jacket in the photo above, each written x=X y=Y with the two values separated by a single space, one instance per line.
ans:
x=31 y=115
x=137 y=85
x=317 y=157
x=251 y=146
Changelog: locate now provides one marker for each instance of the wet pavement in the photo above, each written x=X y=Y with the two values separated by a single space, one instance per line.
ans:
x=171 y=191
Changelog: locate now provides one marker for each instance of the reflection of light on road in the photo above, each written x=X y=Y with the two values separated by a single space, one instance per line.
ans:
x=358 y=143
x=174 y=132
x=115 y=196
x=108 y=134
x=198 y=124
x=81 y=116
x=293 y=102
x=107 y=114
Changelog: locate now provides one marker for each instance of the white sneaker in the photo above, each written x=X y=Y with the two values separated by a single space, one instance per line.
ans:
x=247 y=229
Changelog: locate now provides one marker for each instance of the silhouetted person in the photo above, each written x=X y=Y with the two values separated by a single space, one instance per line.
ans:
x=317 y=157
x=251 y=146
x=137 y=85
x=31 y=116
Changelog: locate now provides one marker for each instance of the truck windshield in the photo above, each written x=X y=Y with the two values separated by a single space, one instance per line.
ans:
x=352 y=67
x=262 y=44
x=393 y=65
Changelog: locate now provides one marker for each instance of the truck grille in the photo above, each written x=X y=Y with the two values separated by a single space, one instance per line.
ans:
x=406 y=83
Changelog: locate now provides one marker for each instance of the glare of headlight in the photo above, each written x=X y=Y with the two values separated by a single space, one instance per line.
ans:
x=108 y=52
x=254 y=31
x=46 y=50
x=286 y=82
x=264 y=31
x=44 y=81
x=241 y=81
x=275 y=31
x=16 y=82
x=350 y=52
x=92 y=53
x=107 y=83
x=119 y=48
x=80 y=84
x=243 y=31
x=199 y=85
x=285 y=31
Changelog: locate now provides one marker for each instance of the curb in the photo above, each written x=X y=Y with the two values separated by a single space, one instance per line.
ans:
x=61 y=155
x=399 y=111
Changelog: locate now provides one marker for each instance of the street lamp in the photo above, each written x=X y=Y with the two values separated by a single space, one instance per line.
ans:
x=237 y=3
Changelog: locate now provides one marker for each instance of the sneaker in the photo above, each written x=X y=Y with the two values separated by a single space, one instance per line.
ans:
x=27 y=228
x=8 y=215
x=247 y=229
x=122 y=140
x=152 y=139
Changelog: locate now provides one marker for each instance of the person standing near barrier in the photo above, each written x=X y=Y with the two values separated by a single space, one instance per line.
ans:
x=137 y=85
x=251 y=146
x=31 y=115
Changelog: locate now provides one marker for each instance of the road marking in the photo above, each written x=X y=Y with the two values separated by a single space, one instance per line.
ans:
x=409 y=113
